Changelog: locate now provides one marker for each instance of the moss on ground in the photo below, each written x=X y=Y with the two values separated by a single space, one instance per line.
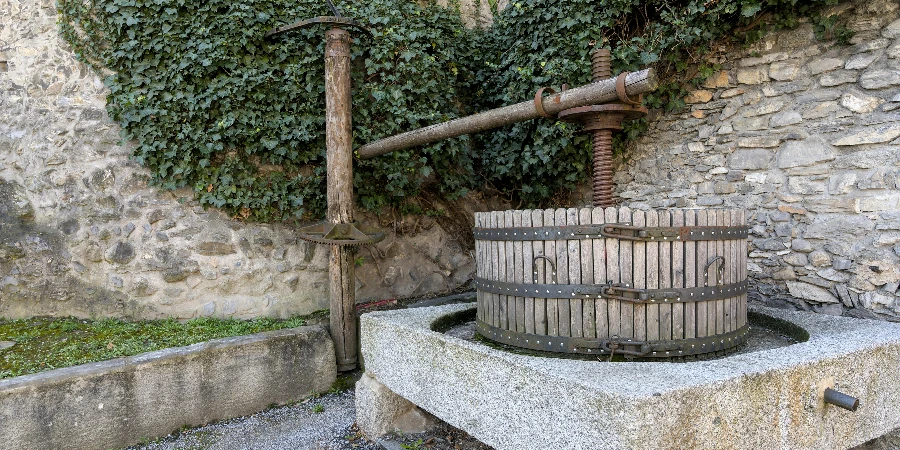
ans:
x=50 y=343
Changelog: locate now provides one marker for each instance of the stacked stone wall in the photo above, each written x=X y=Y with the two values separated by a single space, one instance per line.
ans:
x=804 y=134
x=82 y=233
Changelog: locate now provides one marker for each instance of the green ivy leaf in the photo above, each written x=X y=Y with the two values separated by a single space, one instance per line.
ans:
x=213 y=104
x=750 y=9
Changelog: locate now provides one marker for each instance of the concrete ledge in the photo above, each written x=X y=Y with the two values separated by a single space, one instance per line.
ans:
x=766 y=399
x=115 y=403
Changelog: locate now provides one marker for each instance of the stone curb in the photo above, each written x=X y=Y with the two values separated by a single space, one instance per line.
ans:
x=116 y=403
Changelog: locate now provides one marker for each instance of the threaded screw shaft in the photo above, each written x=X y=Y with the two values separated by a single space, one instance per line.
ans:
x=602 y=139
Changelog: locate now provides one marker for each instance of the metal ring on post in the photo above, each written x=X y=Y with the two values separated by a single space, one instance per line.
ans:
x=538 y=105
x=620 y=90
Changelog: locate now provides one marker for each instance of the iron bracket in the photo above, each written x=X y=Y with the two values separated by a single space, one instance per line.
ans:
x=694 y=233
x=341 y=234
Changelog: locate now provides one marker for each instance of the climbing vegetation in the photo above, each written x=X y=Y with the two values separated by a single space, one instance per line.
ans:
x=212 y=104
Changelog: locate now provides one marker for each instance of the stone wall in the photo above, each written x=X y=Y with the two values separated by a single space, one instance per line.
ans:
x=805 y=135
x=81 y=232
x=475 y=13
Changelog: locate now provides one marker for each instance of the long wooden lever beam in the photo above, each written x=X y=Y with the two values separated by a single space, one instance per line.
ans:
x=604 y=91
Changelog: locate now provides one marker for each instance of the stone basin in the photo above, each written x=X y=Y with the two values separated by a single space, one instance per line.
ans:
x=765 y=399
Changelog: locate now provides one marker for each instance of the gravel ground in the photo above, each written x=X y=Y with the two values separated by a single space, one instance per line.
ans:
x=322 y=423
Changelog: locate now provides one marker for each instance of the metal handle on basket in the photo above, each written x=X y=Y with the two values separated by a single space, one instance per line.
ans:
x=534 y=268
x=720 y=271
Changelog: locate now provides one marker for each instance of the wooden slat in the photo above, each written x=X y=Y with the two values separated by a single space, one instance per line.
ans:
x=639 y=262
x=626 y=272
x=527 y=267
x=510 y=274
x=562 y=274
x=484 y=261
x=598 y=255
x=717 y=248
x=576 y=310
x=735 y=260
x=742 y=266
x=735 y=273
x=493 y=264
x=700 y=260
x=736 y=270
x=488 y=261
x=491 y=247
x=552 y=303
x=720 y=249
x=678 y=309
x=727 y=312
x=519 y=264
x=710 y=254
x=490 y=271
x=665 y=276
x=500 y=217
x=540 y=304
x=479 y=270
x=613 y=275
x=478 y=266
x=711 y=249
x=588 y=318
x=702 y=309
x=653 y=312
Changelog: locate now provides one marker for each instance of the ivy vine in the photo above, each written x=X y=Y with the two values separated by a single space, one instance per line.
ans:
x=538 y=43
x=213 y=105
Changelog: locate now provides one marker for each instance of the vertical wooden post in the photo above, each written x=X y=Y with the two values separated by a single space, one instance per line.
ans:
x=338 y=141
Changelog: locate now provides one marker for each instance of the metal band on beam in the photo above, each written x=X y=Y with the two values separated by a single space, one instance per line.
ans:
x=614 y=291
x=623 y=346
x=613 y=230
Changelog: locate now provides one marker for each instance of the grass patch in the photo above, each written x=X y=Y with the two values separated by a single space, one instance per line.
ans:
x=50 y=343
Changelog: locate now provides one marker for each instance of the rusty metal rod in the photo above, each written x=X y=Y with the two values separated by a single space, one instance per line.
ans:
x=841 y=399
x=590 y=94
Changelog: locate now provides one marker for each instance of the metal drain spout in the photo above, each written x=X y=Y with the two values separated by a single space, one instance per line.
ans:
x=841 y=399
